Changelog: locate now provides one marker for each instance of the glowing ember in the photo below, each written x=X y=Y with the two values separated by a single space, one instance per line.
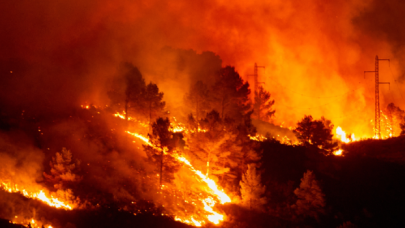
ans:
x=32 y=223
x=338 y=152
x=50 y=200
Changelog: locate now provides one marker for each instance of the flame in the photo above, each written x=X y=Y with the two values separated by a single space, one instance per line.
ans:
x=283 y=140
x=209 y=203
x=338 y=152
x=223 y=198
x=32 y=222
x=343 y=137
x=122 y=116
x=40 y=195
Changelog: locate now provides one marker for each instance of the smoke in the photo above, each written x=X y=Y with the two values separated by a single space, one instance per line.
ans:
x=58 y=54
x=20 y=162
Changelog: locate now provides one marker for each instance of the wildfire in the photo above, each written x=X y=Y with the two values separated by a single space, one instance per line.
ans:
x=40 y=195
x=338 y=152
x=209 y=203
x=223 y=198
x=343 y=137
x=283 y=140
x=32 y=222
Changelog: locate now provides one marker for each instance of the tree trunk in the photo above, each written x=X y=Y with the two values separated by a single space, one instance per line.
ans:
x=126 y=109
x=150 y=115
x=161 y=170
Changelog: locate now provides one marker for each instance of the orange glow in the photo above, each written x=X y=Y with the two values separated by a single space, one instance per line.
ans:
x=33 y=223
x=39 y=195
x=208 y=203
x=283 y=140
x=342 y=136
x=338 y=152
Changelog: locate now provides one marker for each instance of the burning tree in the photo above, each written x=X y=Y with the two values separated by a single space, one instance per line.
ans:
x=263 y=105
x=316 y=133
x=311 y=199
x=126 y=89
x=206 y=145
x=396 y=117
x=63 y=169
x=251 y=189
x=161 y=154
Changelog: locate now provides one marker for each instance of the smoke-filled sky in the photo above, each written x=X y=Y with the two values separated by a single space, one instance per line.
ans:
x=56 y=54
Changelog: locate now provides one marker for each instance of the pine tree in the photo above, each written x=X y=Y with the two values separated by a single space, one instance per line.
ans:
x=152 y=100
x=126 y=89
x=63 y=170
x=316 y=133
x=311 y=200
x=251 y=189
x=231 y=94
x=198 y=98
x=263 y=105
x=162 y=156
x=208 y=145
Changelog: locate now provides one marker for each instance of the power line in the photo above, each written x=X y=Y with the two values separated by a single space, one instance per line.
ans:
x=311 y=106
x=304 y=95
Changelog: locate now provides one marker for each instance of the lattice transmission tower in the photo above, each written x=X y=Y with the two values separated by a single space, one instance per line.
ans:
x=377 y=128
x=256 y=77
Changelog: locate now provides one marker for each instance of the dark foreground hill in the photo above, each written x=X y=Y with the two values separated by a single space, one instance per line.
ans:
x=365 y=187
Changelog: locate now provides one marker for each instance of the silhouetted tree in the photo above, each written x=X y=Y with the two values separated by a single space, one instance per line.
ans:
x=311 y=200
x=231 y=94
x=263 y=105
x=316 y=133
x=251 y=189
x=198 y=98
x=152 y=100
x=207 y=147
x=161 y=153
x=248 y=152
x=126 y=89
x=63 y=170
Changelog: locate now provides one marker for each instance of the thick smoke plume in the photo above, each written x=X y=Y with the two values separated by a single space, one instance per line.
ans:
x=56 y=54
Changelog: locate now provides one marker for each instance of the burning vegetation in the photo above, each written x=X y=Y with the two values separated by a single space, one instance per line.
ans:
x=201 y=172
x=127 y=114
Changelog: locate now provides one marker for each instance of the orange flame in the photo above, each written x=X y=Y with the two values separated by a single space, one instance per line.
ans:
x=40 y=195
x=209 y=203
x=338 y=152
x=343 y=137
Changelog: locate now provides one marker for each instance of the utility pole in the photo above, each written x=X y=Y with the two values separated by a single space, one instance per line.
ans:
x=377 y=128
x=256 y=77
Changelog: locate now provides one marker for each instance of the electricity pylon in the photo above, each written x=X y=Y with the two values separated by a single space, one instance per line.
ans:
x=256 y=77
x=377 y=129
